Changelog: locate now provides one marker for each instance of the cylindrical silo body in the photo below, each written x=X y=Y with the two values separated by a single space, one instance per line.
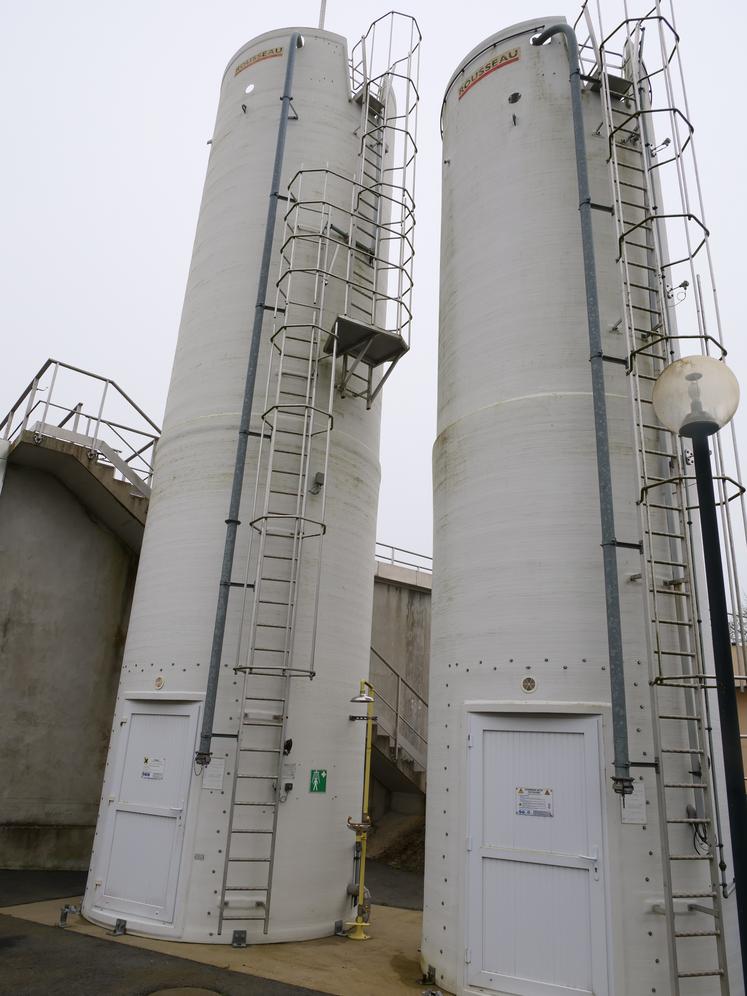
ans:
x=163 y=831
x=535 y=876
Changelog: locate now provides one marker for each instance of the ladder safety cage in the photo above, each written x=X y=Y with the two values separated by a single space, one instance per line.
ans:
x=341 y=322
x=669 y=307
x=374 y=330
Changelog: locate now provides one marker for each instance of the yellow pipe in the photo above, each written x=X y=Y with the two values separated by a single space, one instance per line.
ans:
x=357 y=933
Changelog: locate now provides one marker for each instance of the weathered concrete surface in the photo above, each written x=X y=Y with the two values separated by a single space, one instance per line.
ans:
x=401 y=628
x=111 y=501
x=18 y=886
x=386 y=965
x=45 y=961
x=400 y=648
x=65 y=589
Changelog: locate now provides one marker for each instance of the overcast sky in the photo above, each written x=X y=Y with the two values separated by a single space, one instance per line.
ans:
x=106 y=112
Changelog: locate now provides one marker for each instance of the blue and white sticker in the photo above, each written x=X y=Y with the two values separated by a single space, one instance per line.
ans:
x=534 y=801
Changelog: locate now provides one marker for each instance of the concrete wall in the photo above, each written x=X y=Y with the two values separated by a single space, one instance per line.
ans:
x=65 y=588
x=401 y=628
x=400 y=634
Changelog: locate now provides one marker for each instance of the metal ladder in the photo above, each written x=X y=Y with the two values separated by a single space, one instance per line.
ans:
x=690 y=835
x=294 y=442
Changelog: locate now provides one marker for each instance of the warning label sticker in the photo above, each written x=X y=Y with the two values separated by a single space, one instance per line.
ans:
x=153 y=768
x=534 y=801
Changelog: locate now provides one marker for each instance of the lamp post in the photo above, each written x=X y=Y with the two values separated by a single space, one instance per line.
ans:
x=695 y=397
x=361 y=827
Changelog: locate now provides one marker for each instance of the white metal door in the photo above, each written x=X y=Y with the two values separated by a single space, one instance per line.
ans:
x=149 y=796
x=536 y=909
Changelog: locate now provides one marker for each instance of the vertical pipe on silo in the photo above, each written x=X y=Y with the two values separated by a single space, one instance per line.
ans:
x=232 y=522
x=623 y=783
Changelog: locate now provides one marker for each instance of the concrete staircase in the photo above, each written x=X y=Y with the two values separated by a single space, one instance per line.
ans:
x=399 y=744
x=89 y=475
x=393 y=767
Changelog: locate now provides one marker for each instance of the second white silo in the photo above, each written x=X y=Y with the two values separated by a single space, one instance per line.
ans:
x=537 y=879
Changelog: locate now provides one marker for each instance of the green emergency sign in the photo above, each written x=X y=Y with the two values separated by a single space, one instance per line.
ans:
x=318 y=780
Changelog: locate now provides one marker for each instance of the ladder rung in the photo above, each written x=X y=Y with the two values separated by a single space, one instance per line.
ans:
x=642 y=266
x=672 y=716
x=622 y=165
x=676 y=653
x=267 y=805
x=710 y=894
x=700 y=975
x=690 y=857
x=255 y=723
x=671 y=622
x=697 y=933
x=264 y=698
x=259 y=750
x=682 y=750
x=632 y=186
x=690 y=820
x=635 y=245
x=241 y=918
x=263 y=778
x=685 y=785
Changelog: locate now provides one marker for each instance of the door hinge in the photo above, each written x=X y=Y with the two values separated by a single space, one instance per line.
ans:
x=467 y=955
x=469 y=739
x=469 y=842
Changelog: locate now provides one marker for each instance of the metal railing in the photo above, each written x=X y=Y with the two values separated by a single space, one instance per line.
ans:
x=75 y=405
x=402 y=712
x=394 y=555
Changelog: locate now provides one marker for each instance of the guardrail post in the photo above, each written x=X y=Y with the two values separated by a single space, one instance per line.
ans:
x=49 y=393
x=31 y=403
x=396 y=714
x=101 y=410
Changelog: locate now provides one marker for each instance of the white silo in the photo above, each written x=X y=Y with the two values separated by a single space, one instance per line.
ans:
x=256 y=840
x=537 y=879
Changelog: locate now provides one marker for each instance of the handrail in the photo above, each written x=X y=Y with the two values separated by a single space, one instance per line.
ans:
x=416 y=751
x=387 y=554
x=404 y=681
x=128 y=449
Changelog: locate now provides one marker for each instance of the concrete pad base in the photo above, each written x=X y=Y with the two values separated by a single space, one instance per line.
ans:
x=387 y=963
